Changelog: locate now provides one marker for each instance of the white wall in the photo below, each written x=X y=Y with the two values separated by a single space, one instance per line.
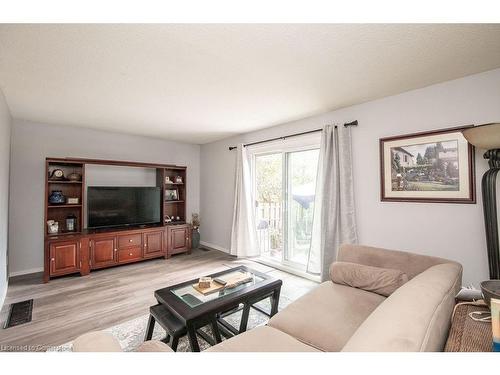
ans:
x=454 y=231
x=33 y=142
x=5 y=131
x=112 y=175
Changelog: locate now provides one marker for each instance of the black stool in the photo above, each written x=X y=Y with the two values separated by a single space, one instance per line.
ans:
x=168 y=322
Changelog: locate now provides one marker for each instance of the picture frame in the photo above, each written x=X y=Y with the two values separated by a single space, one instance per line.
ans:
x=429 y=167
x=172 y=194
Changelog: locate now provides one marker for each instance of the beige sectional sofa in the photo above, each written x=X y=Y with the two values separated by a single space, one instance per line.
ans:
x=334 y=317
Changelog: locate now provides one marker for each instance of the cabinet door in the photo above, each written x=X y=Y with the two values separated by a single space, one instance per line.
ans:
x=153 y=244
x=179 y=239
x=64 y=257
x=103 y=252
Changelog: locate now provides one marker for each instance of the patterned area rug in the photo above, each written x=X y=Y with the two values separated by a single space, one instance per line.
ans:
x=130 y=334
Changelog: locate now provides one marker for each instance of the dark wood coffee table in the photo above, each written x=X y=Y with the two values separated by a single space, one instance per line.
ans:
x=196 y=310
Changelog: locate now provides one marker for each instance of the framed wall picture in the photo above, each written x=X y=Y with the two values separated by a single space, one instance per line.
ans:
x=171 y=194
x=435 y=166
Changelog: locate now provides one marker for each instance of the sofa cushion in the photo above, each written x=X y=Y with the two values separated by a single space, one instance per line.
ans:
x=383 y=281
x=416 y=317
x=261 y=339
x=326 y=317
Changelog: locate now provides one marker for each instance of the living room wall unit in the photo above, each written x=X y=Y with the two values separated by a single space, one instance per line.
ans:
x=81 y=249
x=452 y=231
x=5 y=131
x=33 y=142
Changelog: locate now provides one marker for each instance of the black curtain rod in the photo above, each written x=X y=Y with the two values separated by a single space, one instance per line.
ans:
x=353 y=123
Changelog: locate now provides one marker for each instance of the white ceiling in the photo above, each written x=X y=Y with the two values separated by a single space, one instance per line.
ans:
x=199 y=83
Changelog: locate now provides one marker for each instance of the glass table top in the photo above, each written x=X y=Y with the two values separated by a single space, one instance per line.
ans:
x=192 y=297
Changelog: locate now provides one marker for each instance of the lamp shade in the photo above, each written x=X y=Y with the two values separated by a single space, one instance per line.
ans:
x=486 y=137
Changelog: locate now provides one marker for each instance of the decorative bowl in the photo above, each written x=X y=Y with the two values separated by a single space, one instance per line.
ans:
x=490 y=289
x=75 y=177
x=57 y=197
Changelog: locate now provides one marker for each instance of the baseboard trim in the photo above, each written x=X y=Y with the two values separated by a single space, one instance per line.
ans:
x=287 y=269
x=26 y=272
x=213 y=247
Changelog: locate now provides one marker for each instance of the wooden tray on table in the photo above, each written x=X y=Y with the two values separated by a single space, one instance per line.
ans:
x=233 y=280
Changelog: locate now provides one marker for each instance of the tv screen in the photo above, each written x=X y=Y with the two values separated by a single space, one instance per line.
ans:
x=119 y=206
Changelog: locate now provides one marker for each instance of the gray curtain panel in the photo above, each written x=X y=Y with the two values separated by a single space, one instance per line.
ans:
x=334 y=219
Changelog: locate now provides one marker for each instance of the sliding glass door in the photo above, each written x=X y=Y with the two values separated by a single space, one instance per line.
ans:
x=269 y=202
x=300 y=192
x=284 y=188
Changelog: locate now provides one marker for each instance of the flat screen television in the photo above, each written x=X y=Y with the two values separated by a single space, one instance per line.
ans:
x=121 y=206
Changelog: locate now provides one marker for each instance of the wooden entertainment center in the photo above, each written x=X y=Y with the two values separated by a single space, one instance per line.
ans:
x=82 y=250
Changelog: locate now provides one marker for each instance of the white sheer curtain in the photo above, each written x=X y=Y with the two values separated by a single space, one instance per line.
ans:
x=334 y=221
x=243 y=234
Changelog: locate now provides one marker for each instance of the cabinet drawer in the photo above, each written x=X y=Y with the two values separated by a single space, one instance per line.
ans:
x=129 y=240
x=129 y=255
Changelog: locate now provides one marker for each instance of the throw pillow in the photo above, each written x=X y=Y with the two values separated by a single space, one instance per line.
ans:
x=383 y=281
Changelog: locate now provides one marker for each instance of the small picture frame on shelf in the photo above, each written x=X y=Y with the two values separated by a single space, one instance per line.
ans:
x=52 y=227
x=171 y=195
x=178 y=180
x=73 y=200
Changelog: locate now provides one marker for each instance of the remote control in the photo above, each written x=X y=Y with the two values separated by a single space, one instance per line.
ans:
x=220 y=281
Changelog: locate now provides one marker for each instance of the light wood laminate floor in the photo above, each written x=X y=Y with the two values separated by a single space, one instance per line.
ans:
x=69 y=306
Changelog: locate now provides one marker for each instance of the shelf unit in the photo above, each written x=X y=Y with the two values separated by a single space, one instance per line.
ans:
x=83 y=250
x=70 y=189
x=174 y=208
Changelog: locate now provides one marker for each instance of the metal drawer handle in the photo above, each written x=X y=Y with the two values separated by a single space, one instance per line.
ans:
x=53 y=259
x=129 y=240
x=130 y=254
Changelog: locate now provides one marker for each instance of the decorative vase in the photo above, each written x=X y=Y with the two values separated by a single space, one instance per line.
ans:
x=57 y=197
x=195 y=239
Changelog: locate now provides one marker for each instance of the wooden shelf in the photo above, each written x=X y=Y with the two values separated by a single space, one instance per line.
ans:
x=63 y=205
x=63 y=233
x=172 y=202
x=64 y=182
x=174 y=183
